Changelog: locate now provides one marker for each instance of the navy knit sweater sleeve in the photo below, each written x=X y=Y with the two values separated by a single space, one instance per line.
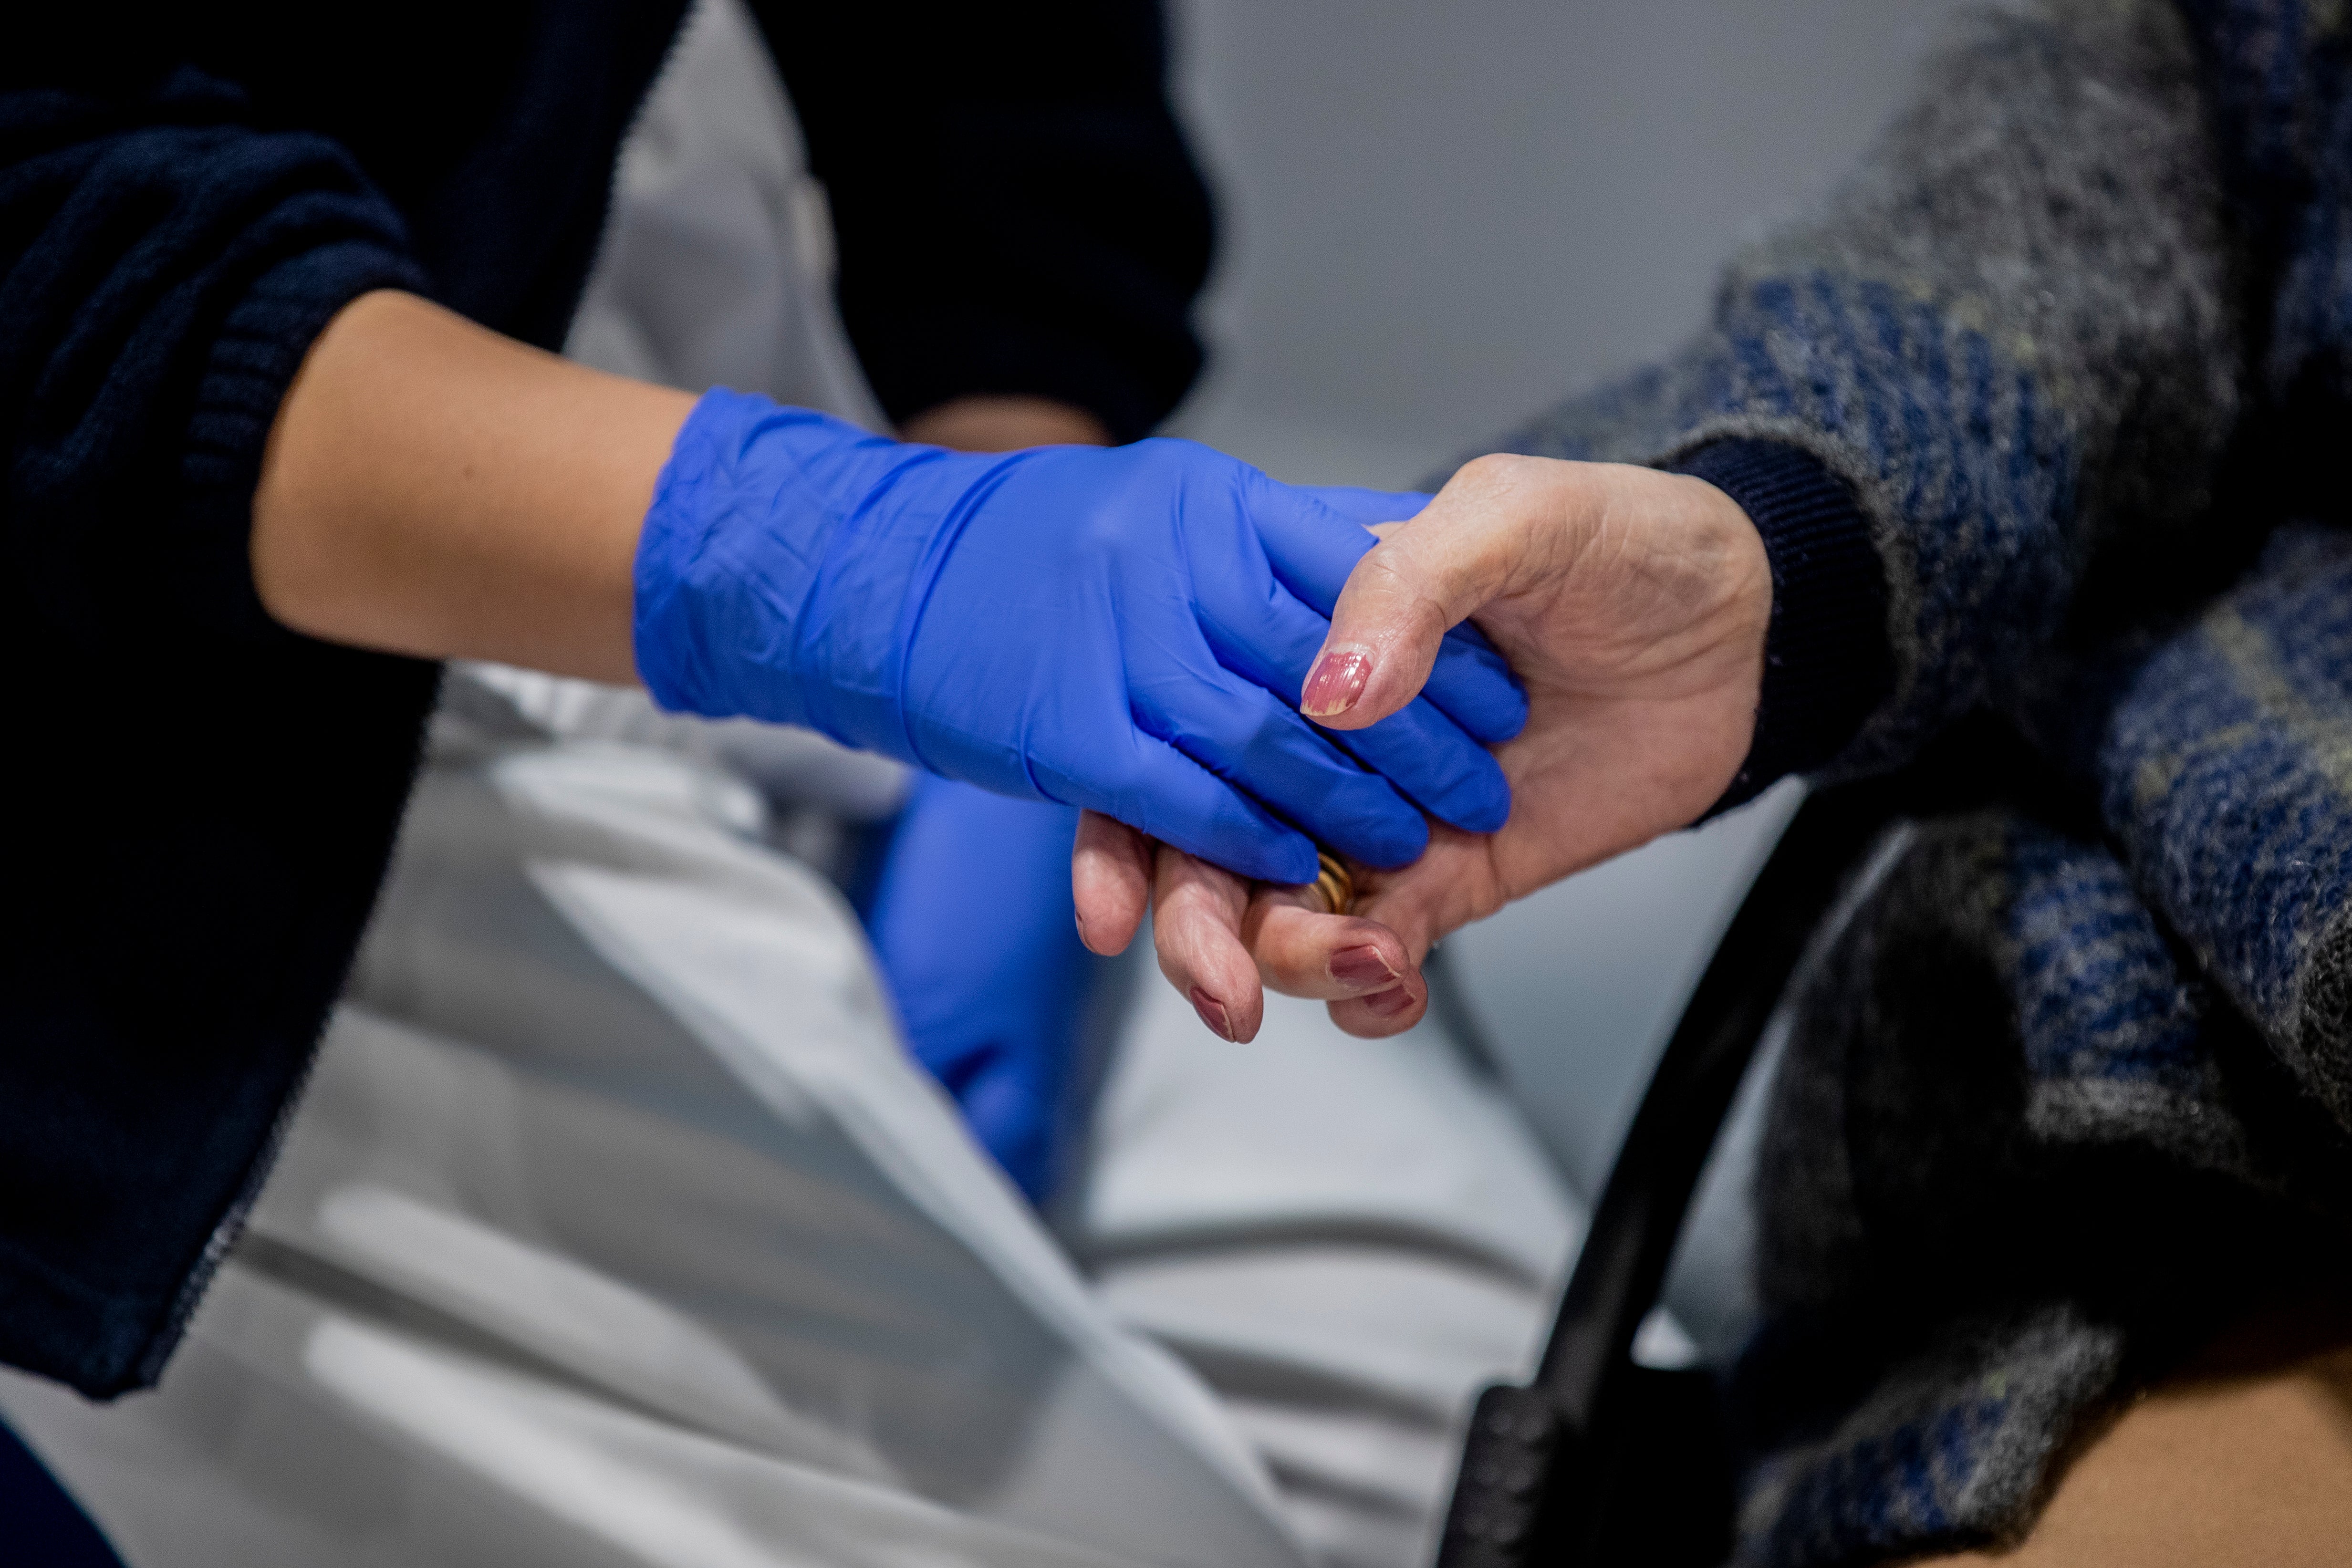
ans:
x=167 y=267
x=208 y=799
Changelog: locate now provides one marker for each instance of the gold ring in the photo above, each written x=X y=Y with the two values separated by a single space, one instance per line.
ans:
x=1333 y=883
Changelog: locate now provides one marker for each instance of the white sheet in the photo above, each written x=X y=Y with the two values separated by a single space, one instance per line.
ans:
x=614 y=1219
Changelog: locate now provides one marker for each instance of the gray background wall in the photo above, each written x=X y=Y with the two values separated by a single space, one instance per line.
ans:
x=1440 y=216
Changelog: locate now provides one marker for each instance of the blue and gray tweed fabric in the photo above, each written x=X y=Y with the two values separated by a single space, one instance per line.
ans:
x=2070 y=1086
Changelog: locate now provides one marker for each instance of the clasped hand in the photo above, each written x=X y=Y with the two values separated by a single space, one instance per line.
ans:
x=1115 y=629
x=1632 y=604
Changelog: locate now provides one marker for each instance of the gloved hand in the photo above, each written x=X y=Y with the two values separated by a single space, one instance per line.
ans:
x=972 y=928
x=1636 y=602
x=1123 y=629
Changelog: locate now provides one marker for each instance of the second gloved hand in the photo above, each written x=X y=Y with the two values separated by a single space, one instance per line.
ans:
x=972 y=931
x=1125 y=630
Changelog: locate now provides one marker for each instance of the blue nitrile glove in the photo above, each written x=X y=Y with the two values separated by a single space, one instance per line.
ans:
x=1124 y=628
x=974 y=929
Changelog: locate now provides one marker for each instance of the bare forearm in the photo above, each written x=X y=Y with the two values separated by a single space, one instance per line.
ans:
x=433 y=488
x=1000 y=421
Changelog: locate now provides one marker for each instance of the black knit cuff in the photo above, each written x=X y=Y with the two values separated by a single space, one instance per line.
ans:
x=1827 y=661
x=253 y=359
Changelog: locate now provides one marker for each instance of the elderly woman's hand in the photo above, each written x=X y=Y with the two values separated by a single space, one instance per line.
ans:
x=1634 y=605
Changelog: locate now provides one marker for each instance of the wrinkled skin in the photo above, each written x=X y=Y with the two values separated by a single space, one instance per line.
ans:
x=1632 y=604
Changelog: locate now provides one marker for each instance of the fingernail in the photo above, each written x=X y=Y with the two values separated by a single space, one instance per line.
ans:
x=1212 y=1013
x=1338 y=679
x=1387 y=1004
x=1360 y=966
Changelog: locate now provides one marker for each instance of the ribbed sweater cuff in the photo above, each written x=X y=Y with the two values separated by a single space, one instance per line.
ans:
x=244 y=377
x=1828 y=663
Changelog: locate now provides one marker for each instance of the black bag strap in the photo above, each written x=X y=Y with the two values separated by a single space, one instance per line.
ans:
x=1600 y=1461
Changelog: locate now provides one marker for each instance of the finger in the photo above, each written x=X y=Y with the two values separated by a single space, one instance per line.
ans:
x=1248 y=736
x=1454 y=883
x=1110 y=882
x=1303 y=951
x=1447 y=773
x=1379 y=1015
x=1196 y=929
x=1270 y=638
x=1166 y=795
x=1469 y=682
x=1403 y=597
x=1472 y=684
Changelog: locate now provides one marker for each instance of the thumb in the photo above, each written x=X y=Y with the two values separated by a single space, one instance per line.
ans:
x=1409 y=590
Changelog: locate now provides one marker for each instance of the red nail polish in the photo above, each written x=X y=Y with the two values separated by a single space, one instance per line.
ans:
x=1360 y=966
x=1212 y=1013
x=1335 y=683
x=1387 y=1004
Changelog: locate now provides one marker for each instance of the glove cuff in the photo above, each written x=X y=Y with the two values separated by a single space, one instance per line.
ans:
x=750 y=501
x=783 y=565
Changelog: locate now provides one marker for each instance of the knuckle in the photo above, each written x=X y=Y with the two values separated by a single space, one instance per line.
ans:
x=1498 y=473
x=1491 y=468
x=1100 y=533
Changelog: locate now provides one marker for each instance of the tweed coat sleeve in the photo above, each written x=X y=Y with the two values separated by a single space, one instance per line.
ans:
x=2013 y=334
